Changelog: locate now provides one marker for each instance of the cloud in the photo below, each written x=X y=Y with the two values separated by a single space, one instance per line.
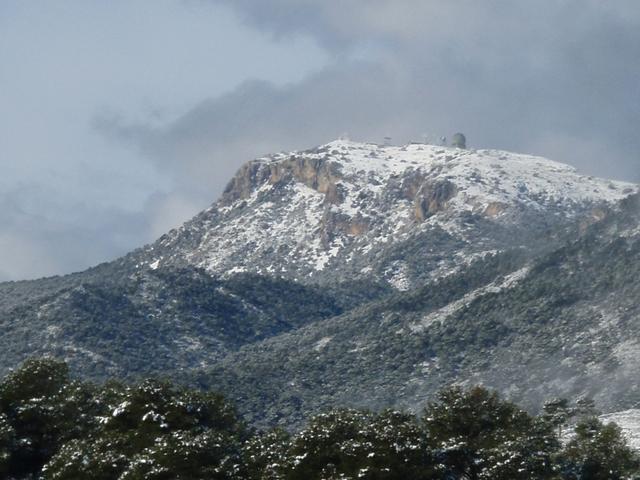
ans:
x=490 y=25
x=36 y=240
x=164 y=211
x=203 y=148
x=559 y=81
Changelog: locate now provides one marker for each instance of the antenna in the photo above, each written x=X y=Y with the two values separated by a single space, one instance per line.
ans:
x=387 y=141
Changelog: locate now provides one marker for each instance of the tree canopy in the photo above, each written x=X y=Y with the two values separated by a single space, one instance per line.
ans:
x=55 y=427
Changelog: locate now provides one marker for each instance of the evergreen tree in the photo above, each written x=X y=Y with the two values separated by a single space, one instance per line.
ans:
x=7 y=444
x=266 y=455
x=41 y=409
x=479 y=436
x=154 y=430
x=356 y=444
x=598 y=452
x=558 y=413
x=585 y=408
x=210 y=455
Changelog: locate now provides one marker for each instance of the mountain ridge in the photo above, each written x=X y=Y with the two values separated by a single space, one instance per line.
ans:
x=333 y=208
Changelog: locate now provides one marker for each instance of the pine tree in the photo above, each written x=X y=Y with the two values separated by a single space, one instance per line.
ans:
x=7 y=444
x=154 y=430
x=558 y=413
x=480 y=436
x=598 y=452
x=357 y=444
x=41 y=409
x=265 y=455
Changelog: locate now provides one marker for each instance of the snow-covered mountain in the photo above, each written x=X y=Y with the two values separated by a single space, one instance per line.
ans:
x=354 y=210
x=365 y=275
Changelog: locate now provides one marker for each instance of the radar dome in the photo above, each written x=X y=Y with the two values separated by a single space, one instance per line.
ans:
x=459 y=141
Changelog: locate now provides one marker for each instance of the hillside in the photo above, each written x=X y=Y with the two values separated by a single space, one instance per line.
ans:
x=321 y=276
x=562 y=324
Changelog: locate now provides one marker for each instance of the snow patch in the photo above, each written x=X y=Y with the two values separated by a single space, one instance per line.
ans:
x=447 y=311
x=322 y=343
x=398 y=276
x=237 y=269
x=628 y=353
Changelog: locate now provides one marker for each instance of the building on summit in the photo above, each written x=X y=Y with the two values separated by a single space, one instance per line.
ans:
x=459 y=141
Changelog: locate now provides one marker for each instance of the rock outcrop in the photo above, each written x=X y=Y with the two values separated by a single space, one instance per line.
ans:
x=320 y=174
x=432 y=198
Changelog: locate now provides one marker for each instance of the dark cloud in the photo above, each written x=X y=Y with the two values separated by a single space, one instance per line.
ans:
x=493 y=25
x=204 y=147
x=559 y=81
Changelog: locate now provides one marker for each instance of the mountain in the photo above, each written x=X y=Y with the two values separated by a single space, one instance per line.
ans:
x=564 y=323
x=403 y=215
x=365 y=275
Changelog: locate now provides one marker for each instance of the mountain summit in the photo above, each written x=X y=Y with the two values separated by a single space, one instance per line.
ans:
x=355 y=209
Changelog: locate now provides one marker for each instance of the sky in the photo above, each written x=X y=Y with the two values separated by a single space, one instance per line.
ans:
x=120 y=120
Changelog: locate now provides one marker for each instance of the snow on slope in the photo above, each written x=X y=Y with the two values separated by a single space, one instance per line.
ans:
x=629 y=422
x=482 y=176
x=337 y=207
x=442 y=314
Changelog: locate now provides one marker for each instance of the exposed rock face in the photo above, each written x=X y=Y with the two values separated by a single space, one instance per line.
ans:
x=244 y=182
x=495 y=209
x=317 y=173
x=337 y=225
x=433 y=198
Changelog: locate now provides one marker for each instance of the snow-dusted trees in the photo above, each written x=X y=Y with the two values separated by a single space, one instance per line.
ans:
x=559 y=412
x=55 y=428
x=479 y=436
x=154 y=431
x=344 y=444
x=359 y=444
x=41 y=408
x=598 y=452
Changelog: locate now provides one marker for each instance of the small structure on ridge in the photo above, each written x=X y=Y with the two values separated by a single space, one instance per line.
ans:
x=459 y=141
